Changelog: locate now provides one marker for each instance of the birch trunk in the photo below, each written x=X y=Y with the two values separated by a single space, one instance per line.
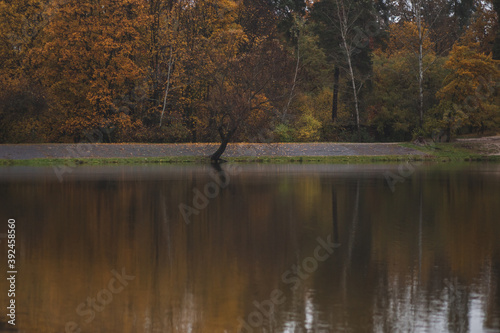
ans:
x=293 y=85
x=418 y=9
x=344 y=26
x=355 y=93
x=170 y=63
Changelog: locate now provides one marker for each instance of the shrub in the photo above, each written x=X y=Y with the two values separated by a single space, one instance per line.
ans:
x=284 y=133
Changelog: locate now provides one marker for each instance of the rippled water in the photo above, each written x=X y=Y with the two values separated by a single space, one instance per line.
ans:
x=255 y=248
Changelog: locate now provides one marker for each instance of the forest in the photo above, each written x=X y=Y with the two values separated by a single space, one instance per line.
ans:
x=166 y=71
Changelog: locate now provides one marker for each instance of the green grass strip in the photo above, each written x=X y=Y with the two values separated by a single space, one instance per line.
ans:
x=452 y=152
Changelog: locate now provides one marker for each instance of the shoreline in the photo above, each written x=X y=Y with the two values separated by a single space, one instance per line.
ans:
x=340 y=153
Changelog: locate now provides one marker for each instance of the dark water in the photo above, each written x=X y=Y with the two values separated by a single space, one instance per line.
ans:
x=274 y=248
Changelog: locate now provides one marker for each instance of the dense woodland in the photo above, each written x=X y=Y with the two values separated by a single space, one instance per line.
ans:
x=248 y=70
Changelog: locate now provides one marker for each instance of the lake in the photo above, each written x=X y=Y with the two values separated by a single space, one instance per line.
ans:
x=254 y=248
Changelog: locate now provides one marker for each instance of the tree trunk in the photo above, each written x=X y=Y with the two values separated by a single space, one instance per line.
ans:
x=215 y=157
x=448 y=131
x=336 y=77
x=293 y=85
x=170 y=63
x=355 y=92
x=418 y=8
x=344 y=28
x=421 y=82
x=155 y=56
x=225 y=138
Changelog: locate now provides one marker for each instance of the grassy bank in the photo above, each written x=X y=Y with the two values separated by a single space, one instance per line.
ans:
x=452 y=152
x=204 y=160
x=442 y=152
x=105 y=161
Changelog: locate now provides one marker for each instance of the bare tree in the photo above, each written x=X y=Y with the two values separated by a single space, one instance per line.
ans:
x=243 y=89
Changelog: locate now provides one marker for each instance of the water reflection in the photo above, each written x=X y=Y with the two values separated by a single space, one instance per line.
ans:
x=108 y=249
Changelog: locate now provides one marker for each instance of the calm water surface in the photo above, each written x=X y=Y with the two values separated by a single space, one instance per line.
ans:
x=257 y=248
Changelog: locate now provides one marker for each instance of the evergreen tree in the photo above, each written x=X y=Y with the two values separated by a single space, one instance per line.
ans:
x=496 y=44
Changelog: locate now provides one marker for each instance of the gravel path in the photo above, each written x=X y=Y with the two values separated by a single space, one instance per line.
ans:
x=29 y=151
x=487 y=145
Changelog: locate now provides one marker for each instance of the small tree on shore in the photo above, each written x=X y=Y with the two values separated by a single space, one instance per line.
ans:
x=244 y=86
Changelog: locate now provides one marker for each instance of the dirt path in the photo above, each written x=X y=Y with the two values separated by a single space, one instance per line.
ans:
x=29 y=151
x=487 y=145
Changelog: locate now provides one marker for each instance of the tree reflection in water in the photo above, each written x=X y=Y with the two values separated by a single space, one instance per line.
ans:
x=424 y=258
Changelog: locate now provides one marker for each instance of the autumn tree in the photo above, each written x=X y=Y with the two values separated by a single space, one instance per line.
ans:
x=23 y=104
x=437 y=25
x=259 y=18
x=393 y=100
x=244 y=90
x=161 y=28
x=244 y=79
x=481 y=30
x=231 y=70
x=92 y=54
x=411 y=41
x=470 y=96
x=185 y=81
x=445 y=19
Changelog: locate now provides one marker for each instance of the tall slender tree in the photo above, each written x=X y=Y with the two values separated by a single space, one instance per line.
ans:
x=343 y=29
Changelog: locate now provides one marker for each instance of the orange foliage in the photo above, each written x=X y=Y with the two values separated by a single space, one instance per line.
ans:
x=481 y=32
x=404 y=38
x=473 y=86
x=91 y=57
